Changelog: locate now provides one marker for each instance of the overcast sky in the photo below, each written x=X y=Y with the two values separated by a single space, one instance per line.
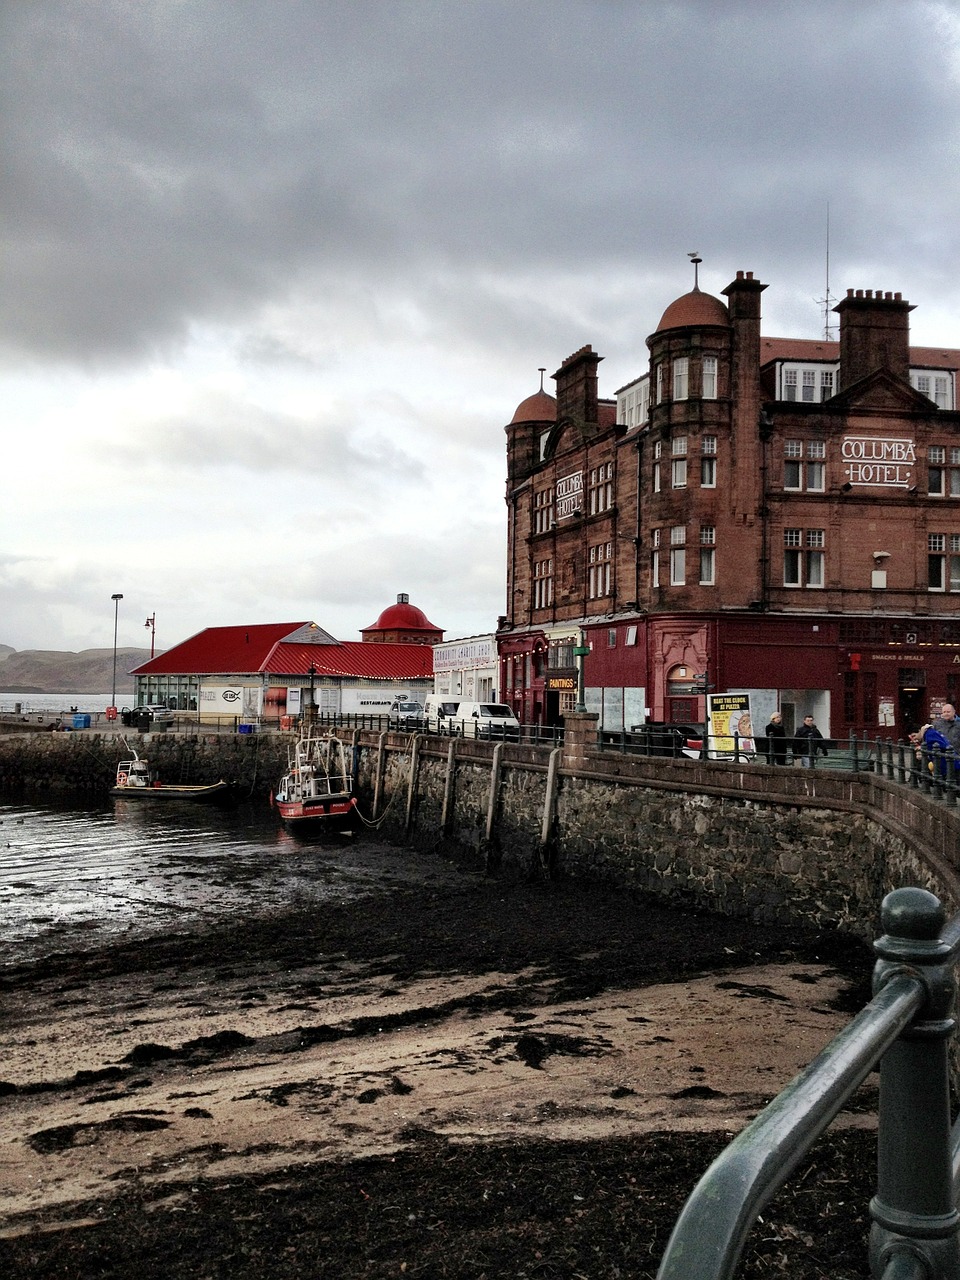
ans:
x=275 y=275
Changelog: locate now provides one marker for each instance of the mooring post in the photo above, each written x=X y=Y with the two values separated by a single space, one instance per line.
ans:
x=378 y=779
x=412 y=785
x=914 y=1215
x=447 y=811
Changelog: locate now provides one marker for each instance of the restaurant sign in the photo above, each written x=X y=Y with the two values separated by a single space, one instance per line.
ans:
x=878 y=461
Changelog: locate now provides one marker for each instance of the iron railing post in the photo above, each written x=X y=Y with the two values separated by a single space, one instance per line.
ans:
x=914 y=1215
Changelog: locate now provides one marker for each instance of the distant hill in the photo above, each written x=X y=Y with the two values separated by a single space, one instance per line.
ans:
x=53 y=671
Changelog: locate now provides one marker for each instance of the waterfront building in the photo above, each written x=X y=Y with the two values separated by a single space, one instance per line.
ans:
x=268 y=671
x=467 y=668
x=766 y=515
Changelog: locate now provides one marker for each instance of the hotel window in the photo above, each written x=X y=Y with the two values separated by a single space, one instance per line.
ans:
x=601 y=570
x=655 y=560
x=936 y=477
x=681 y=378
x=678 y=555
x=708 y=538
x=789 y=384
x=809 y=385
x=943 y=480
x=601 y=488
x=543 y=517
x=816 y=451
x=943 y=562
x=708 y=462
x=709 y=377
x=798 y=474
x=678 y=467
x=923 y=385
x=803 y=558
x=659 y=383
x=826 y=384
x=792 y=464
x=657 y=450
x=543 y=584
x=941 y=393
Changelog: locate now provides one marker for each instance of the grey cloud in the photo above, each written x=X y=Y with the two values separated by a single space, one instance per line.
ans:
x=177 y=163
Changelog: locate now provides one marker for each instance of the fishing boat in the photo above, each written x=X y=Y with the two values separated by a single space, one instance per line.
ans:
x=137 y=781
x=317 y=789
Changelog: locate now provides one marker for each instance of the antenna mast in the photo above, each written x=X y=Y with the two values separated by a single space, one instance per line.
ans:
x=828 y=300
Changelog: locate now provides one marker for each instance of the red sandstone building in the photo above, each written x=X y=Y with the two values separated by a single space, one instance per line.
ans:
x=781 y=516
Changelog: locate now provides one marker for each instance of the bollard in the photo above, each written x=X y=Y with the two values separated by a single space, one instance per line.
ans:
x=913 y=1212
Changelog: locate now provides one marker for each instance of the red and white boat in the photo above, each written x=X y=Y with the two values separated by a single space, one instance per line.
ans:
x=317 y=789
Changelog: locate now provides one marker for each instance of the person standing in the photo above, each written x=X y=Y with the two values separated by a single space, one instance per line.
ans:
x=809 y=743
x=948 y=724
x=776 y=740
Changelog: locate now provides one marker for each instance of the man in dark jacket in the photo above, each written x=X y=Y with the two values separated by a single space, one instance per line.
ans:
x=948 y=724
x=776 y=740
x=808 y=742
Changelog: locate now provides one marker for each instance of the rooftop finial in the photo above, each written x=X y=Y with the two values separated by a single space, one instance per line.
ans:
x=542 y=370
x=696 y=260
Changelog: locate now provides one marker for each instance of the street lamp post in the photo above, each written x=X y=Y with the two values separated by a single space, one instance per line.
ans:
x=313 y=705
x=116 y=598
x=151 y=622
x=580 y=652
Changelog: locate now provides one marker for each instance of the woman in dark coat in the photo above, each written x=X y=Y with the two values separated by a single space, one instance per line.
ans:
x=776 y=740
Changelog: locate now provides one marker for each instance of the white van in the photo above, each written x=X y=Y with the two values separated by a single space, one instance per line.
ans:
x=440 y=711
x=486 y=720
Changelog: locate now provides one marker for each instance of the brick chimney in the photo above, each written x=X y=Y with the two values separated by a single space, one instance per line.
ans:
x=874 y=334
x=577 y=384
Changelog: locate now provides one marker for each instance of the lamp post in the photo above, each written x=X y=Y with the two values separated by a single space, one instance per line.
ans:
x=116 y=598
x=151 y=622
x=580 y=652
x=313 y=706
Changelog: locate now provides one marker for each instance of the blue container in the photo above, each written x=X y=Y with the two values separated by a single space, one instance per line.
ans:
x=81 y=722
x=245 y=728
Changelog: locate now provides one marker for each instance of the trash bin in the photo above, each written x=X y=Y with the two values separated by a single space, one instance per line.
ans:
x=245 y=728
x=81 y=722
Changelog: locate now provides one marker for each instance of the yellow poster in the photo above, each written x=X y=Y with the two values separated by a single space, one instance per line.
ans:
x=730 y=720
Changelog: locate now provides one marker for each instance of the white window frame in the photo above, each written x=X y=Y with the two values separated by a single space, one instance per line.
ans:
x=681 y=378
x=709 y=378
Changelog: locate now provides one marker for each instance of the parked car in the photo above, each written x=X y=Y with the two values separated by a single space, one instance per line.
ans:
x=406 y=713
x=486 y=720
x=155 y=712
x=664 y=738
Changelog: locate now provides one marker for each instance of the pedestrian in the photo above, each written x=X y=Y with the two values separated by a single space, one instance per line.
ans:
x=809 y=743
x=776 y=740
x=948 y=724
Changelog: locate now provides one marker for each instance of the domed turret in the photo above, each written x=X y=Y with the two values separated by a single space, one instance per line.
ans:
x=402 y=623
x=540 y=407
x=694 y=310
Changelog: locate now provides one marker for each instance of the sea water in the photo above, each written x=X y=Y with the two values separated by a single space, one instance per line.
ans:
x=55 y=703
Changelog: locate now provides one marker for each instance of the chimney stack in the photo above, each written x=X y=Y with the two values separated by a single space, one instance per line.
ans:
x=577 y=387
x=874 y=334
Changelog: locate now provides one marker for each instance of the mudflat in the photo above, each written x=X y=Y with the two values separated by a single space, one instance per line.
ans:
x=471 y=1079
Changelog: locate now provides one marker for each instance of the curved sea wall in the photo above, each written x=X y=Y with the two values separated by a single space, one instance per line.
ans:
x=768 y=844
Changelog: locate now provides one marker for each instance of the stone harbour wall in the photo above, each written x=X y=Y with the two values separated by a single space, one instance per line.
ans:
x=767 y=844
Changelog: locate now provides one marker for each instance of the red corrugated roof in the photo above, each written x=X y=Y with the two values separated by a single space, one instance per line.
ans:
x=221 y=650
x=353 y=658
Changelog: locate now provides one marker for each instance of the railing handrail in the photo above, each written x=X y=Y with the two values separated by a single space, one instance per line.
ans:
x=904 y=1028
x=709 y=1235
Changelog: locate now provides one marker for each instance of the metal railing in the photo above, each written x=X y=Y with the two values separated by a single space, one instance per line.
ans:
x=906 y=1028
